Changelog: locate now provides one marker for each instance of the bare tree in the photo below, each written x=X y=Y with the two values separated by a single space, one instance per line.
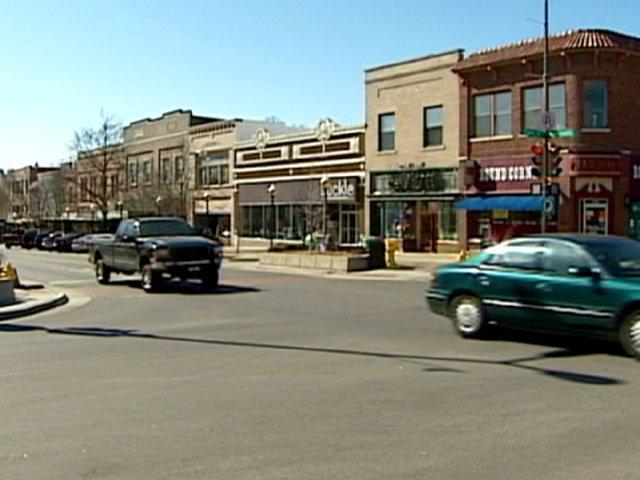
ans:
x=5 y=197
x=47 y=196
x=166 y=196
x=97 y=155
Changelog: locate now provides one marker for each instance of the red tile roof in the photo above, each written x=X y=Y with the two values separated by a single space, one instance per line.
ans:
x=570 y=40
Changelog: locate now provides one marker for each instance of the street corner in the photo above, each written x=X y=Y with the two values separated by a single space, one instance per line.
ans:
x=34 y=301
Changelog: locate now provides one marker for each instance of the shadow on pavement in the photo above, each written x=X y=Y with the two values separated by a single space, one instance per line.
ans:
x=186 y=287
x=514 y=363
x=576 y=344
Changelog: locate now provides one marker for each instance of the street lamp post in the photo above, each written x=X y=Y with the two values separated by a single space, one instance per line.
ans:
x=67 y=210
x=272 y=196
x=323 y=185
x=206 y=209
x=120 y=205
x=93 y=217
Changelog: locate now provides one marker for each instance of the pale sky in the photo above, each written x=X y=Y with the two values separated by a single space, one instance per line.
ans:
x=64 y=61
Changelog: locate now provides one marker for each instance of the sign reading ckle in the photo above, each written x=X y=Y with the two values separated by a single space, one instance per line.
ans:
x=341 y=190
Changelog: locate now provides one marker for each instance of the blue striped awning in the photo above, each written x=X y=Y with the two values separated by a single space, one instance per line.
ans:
x=526 y=203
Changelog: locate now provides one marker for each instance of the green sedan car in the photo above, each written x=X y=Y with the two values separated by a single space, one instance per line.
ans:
x=567 y=284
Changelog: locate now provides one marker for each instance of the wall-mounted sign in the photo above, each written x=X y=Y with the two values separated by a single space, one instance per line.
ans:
x=342 y=190
x=516 y=173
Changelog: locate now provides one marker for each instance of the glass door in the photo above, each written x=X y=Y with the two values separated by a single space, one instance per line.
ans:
x=595 y=216
x=348 y=225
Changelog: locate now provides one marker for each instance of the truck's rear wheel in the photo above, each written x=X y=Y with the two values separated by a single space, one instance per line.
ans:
x=150 y=279
x=103 y=273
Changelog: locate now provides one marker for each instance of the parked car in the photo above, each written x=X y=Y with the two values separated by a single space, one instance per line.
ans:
x=568 y=284
x=63 y=242
x=40 y=239
x=158 y=248
x=28 y=240
x=11 y=239
x=48 y=242
x=84 y=243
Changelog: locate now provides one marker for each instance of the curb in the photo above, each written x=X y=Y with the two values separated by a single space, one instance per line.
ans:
x=36 y=307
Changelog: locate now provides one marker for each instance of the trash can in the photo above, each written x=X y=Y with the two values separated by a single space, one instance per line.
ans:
x=376 y=249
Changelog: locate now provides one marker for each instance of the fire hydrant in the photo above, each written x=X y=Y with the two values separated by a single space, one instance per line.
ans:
x=9 y=271
x=392 y=245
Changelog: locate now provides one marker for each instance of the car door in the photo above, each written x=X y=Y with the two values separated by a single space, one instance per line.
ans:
x=124 y=246
x=505 y=281
x=574 y=291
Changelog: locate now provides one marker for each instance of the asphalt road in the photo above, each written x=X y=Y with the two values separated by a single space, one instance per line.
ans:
x=294 y=377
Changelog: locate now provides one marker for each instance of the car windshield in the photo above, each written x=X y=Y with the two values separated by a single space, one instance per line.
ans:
x=620 y=258
x=165 y=228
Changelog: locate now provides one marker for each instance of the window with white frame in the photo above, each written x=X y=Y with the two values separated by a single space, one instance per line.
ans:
x=387 y=132
x=533 y=106
x=432 y=126
x=492 y=114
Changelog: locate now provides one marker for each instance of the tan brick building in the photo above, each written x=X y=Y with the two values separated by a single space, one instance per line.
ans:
x=210 y=160
x=156 y=177
x=21 y=197
x=412 y=144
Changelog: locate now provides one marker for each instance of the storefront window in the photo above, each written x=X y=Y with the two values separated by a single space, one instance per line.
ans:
x=447 y=221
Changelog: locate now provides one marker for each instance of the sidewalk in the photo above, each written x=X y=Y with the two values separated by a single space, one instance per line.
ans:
x=410 y=266
x=31 y=301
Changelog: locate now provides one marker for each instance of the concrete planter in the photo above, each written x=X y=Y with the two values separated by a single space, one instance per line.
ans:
x=340 y=263
x=7 y=295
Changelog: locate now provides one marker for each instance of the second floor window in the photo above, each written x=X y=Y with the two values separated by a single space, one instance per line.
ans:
x=387 y=132
x=214 y=169
x=492 y=114
x=165 y=170
x=596 y=104
x=133 y=173
x=147 y=172
x=179 y=168
x=533 y=107
x=432 y=126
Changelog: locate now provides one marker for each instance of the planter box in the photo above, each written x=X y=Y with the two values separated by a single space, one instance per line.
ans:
x=340 y=263
x=7 y=295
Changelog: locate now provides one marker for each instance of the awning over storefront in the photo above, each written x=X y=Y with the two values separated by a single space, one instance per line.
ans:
x=501 y=202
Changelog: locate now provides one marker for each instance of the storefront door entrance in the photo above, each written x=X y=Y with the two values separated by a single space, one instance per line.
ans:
x=348 y=225
x=595 y=216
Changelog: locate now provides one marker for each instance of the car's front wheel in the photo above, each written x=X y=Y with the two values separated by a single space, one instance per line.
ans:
x=150 y=280
x=103 y=273
x=468 y=316
x=630 y=334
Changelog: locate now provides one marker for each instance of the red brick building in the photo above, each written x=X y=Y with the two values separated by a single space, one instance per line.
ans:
x=593 y=78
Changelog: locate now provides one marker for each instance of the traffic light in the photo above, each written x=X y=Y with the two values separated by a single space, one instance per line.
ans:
x=538 y=152
x=554 y=160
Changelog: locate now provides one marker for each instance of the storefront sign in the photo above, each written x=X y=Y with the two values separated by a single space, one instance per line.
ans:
x=342 y=190
x=415 y=182
x=506 y=174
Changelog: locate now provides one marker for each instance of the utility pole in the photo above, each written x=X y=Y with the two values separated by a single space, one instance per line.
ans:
x=545 y=116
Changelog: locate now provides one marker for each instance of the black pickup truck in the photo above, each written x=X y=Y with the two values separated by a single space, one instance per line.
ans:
x=157 y=248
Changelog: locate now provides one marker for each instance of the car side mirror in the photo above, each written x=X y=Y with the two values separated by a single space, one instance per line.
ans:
x=592 y=272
